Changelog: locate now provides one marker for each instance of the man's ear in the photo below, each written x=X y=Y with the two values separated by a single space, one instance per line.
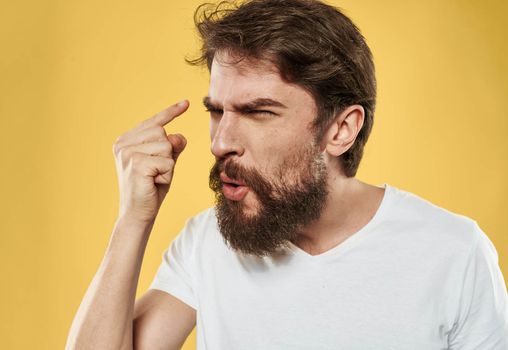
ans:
x=342 y=132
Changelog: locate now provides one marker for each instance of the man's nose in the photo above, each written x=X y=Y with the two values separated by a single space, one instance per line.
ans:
x=226 y=140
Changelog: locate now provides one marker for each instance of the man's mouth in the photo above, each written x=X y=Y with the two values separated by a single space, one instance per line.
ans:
x=234 y=190
x=226 y=179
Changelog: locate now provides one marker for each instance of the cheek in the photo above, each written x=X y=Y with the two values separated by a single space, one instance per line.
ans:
x=279 y=152
x=268 y=147
x=283 y=141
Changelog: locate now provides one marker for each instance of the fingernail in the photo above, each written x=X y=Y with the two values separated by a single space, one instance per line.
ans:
x=181 y=103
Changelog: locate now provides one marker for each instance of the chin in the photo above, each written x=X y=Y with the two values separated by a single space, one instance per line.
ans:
x=248 y=210
x=250 y=207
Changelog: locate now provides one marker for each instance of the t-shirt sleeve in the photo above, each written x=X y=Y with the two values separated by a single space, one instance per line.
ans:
x=482 y=321
x=175 y=273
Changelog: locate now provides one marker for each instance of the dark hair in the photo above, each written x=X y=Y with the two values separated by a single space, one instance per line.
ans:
x=311 y=43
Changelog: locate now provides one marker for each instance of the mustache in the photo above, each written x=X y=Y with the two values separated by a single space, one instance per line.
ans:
x=250 y=176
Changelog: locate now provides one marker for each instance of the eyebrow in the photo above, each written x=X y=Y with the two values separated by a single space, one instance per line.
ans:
x=248 y=106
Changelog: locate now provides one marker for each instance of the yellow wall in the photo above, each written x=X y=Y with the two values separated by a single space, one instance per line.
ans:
x=76 y=74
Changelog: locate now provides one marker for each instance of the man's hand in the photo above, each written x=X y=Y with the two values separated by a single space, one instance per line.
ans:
x=145 y=157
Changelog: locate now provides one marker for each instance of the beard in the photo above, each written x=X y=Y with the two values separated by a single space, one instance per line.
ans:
x=284 y=207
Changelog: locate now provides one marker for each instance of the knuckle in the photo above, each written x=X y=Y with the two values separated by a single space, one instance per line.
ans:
x=119 y=139
x=167 y=148
x=151 y=134
x=160 y=132
x=116 y=149
x=124 y=153
x=117 y=145
x=170 y=163
x=135 y=160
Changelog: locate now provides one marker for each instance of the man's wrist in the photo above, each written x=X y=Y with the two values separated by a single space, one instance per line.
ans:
x=133 y=225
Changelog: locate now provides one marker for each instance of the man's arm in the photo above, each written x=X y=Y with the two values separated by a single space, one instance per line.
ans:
x=145 y=157
x=104 y=318
x=162 y=321
x=108 y=317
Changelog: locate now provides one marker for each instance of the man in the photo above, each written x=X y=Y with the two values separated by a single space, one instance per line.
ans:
x=297 y=253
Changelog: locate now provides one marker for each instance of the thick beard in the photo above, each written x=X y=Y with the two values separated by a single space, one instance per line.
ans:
x=283 y=210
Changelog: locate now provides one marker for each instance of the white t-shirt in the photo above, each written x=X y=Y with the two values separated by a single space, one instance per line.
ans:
x=416 y=276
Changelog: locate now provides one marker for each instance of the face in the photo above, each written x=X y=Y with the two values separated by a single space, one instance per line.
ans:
x=269 y=176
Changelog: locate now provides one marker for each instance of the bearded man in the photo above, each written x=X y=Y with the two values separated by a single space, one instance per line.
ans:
x=297 y=253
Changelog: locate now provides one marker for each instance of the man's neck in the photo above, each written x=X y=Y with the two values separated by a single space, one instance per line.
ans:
x=350 y=205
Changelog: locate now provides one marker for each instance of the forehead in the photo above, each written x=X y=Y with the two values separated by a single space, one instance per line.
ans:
x=234 y=81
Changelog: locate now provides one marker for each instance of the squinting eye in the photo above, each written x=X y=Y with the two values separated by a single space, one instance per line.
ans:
x=262 y=112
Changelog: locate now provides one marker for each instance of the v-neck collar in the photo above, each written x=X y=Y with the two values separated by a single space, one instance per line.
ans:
x=353 y=239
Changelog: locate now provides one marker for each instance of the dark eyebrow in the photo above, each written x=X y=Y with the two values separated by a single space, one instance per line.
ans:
x=248 y=106
x=207 y=102
x=259 y=102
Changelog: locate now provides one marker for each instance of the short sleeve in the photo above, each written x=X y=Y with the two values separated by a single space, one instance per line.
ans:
x=175 y=273
x=482 y=320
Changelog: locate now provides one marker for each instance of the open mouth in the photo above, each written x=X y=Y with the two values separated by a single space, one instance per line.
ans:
x=229 y=181
x=233 y=189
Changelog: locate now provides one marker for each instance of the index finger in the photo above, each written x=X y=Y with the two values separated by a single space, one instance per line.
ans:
x=166 y=115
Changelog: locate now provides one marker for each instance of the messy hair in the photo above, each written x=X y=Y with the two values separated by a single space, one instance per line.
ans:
x=312 y=44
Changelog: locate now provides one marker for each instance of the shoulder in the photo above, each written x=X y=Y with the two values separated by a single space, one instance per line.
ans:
x=432 y=223
x=204 y=217
x=198 y=224
x=198 y=228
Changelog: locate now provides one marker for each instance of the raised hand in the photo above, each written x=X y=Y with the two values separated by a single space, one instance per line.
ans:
x=145 y=158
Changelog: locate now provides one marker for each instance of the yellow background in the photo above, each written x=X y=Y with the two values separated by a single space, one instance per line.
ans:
x=76 y=74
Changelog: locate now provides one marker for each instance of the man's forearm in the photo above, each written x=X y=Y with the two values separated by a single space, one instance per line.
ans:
x=104 y=318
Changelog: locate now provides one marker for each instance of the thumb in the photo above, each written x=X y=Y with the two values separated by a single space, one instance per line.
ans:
x=178 y=141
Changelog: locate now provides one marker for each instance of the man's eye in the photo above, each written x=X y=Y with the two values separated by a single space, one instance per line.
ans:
x=261 y=111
